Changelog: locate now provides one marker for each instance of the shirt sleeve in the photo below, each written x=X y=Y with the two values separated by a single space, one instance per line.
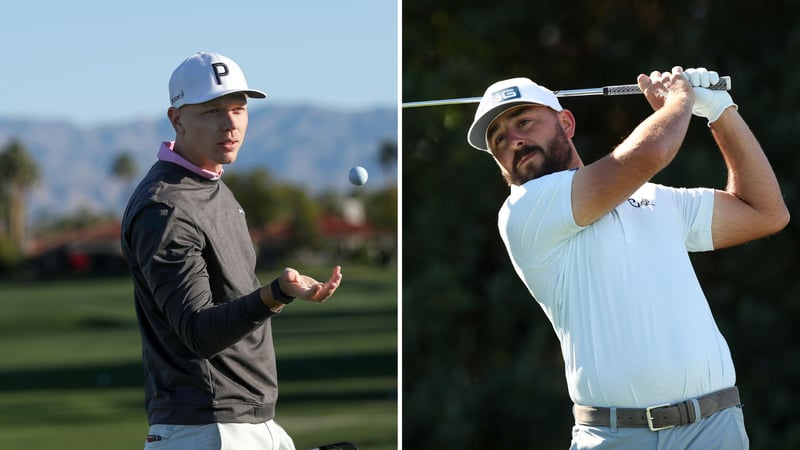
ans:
x=697 y=206
x=537 y=218
x=169 y=250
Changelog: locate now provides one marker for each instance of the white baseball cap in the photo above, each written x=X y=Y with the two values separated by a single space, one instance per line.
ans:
x=205 y=76
x=501 y=96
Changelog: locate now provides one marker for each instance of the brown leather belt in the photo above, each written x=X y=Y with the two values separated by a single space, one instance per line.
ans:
x=658 y=417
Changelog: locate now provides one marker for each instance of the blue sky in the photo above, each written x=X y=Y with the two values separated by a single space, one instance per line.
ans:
x=94 y=62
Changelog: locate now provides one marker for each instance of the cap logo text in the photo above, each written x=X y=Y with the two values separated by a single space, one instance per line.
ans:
x=176 y=98
x=507 y=94
x=220 y=70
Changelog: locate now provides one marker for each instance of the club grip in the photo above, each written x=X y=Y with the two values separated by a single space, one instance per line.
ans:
x=724 y=84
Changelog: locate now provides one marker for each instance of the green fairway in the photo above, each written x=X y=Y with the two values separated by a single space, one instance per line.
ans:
x=71 y=375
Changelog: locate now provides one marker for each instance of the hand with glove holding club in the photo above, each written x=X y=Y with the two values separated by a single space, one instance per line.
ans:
x=708 y=103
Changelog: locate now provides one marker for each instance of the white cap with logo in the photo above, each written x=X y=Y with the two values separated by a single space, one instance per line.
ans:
x=205 y=76
x=501 y=96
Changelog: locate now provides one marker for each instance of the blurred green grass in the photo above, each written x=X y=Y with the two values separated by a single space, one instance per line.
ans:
x=71 y=376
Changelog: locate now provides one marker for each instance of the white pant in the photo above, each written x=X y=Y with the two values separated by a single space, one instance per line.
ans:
x=219 y=436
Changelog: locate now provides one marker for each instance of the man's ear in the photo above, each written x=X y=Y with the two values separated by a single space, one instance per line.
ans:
x=174 y=116
x=567 y=121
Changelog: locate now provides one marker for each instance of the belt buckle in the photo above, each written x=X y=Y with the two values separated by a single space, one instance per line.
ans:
x=649 y=416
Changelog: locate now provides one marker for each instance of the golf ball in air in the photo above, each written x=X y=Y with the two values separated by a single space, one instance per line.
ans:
x=358 y=175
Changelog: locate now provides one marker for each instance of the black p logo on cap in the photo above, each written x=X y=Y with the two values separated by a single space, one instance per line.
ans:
x=220 y=73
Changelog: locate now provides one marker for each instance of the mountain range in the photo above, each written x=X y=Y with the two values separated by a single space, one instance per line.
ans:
x=303 y=145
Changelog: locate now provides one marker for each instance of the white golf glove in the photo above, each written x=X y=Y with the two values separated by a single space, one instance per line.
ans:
x=708 y=103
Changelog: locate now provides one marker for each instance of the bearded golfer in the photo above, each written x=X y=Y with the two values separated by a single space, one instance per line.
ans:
x=605 y=254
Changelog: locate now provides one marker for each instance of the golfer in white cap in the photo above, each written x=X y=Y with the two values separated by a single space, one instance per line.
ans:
x=205 y=319
x=604 y=252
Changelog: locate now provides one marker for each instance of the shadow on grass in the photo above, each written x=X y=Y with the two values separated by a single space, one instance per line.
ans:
x=104 y=376
x=329 y=367
x=91 y=380
x=327 y=327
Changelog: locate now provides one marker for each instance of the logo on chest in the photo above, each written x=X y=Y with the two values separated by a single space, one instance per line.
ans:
x=640 y=202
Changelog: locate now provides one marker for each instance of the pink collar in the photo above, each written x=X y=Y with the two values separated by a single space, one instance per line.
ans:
x=167 y=153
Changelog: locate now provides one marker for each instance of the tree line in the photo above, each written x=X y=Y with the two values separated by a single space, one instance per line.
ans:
x=261 y=194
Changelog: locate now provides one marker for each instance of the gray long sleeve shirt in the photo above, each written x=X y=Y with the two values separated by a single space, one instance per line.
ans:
x=206 y=337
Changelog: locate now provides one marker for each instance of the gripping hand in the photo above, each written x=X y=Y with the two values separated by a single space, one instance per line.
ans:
x=708 y=103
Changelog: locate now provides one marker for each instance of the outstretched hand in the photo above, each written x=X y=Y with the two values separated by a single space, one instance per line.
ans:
x=295 y=284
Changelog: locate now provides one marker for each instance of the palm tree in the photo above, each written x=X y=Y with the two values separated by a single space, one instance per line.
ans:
x=18 y=172
x=124 y=168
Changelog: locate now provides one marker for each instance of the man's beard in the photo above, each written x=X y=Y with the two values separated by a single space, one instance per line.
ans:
x=557 y=157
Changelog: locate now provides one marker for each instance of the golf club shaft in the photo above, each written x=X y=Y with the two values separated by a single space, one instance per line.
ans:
x=624 y=89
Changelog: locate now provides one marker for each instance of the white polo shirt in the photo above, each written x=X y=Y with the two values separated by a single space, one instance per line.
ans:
x=634 y=325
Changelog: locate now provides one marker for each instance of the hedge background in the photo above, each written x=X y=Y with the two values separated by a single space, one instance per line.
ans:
x=481 y=364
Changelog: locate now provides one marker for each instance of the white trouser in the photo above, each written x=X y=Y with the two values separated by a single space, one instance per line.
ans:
x=219 y=436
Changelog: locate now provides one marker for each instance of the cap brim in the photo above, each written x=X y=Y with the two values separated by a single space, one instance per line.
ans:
x=250 y=93
x=476 y=136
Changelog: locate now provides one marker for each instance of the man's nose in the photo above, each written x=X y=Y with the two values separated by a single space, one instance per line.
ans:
x=229 y=121
x=516 y=140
